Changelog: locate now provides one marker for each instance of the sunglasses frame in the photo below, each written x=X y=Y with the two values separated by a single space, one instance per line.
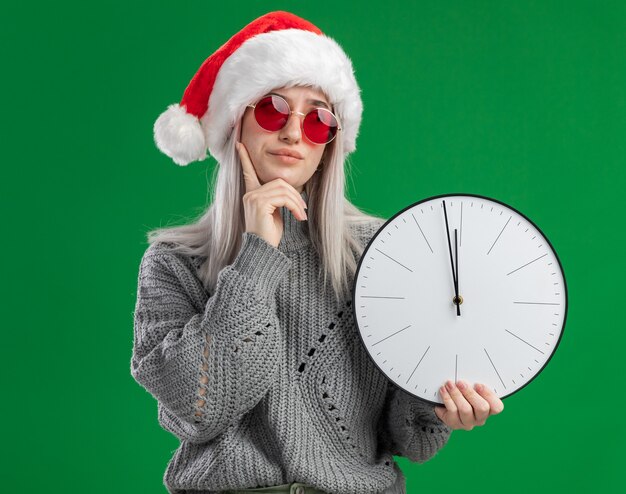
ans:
x=291 y=112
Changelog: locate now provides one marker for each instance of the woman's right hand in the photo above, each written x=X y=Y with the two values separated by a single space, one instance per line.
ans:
x=261 y=202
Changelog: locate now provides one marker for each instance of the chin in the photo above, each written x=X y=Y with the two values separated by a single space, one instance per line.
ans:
x=285 y=176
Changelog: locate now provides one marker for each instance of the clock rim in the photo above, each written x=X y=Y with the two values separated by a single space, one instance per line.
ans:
x=382 y=227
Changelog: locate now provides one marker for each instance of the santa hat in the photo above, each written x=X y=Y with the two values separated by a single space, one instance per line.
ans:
x=279 y=49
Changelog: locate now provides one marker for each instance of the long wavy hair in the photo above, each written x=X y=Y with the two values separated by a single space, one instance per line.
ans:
x=217 y=233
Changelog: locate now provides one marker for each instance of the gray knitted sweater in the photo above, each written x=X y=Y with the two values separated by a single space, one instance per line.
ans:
x=266 y=382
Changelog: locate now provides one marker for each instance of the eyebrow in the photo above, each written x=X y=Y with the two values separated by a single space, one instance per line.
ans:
x=310 y=101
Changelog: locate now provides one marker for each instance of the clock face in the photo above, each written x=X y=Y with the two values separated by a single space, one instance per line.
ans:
x=511 y=288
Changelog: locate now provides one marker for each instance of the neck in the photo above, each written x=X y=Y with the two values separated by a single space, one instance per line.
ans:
x=295 y=232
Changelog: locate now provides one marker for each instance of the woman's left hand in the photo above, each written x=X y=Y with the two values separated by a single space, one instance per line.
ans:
x=466 y=407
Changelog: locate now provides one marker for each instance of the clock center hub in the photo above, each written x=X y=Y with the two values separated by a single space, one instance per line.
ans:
x=457 y=301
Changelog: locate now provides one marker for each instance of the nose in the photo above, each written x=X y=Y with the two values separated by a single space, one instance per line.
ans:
x=292 y=131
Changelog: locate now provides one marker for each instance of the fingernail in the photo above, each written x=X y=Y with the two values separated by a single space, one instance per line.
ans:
x=479 y=387
x=460 y=385
x=449 y=385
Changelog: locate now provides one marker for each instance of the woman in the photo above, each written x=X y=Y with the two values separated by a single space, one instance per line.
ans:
x=243 y=329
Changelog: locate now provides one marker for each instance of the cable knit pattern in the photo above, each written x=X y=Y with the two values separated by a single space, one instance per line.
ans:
x=264 y=381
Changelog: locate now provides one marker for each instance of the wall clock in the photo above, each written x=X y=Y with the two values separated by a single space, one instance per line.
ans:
x=460 y=286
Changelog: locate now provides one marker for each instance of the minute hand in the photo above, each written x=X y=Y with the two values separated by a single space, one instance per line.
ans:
x=454 y=280
x=456 y=262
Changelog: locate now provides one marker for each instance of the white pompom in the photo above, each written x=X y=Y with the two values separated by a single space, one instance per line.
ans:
x=179 y=135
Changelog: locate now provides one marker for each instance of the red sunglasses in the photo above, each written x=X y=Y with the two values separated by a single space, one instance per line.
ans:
x=320 y=126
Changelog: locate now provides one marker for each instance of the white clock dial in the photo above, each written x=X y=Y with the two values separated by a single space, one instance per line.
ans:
x=510 y=283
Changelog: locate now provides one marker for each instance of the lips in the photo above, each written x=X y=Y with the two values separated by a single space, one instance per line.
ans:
x=286 y=152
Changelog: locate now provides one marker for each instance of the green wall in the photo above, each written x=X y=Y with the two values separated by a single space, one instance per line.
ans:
x=524 y=102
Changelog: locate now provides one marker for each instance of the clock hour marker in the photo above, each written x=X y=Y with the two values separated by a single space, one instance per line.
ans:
x=461 y=226
x=494 y=368
x=528 y=264
x=376 y=296
x=524 y=341
x=494 y=242
x=418 y=226
x=418 y=364
x=394 y=260
x=387 y=337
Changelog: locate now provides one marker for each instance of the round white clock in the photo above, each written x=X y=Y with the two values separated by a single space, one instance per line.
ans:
x=459 y=286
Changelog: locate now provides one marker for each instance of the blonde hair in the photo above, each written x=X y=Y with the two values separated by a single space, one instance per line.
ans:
x=217 y=233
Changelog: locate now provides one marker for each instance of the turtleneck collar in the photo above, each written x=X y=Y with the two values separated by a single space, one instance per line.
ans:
x=295 y=232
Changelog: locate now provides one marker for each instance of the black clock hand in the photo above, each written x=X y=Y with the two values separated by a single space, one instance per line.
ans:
x=456 y=286
x=451 y=260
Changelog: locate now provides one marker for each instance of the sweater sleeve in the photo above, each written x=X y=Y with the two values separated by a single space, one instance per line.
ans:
x=208 y=367
x=412 y=428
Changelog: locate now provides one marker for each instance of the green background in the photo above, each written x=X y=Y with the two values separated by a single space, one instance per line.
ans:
x=520 y=101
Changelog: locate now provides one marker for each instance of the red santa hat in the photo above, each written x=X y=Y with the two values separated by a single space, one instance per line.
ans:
x=279 y=49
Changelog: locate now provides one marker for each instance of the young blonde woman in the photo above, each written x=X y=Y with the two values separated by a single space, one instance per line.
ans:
x=243 y=329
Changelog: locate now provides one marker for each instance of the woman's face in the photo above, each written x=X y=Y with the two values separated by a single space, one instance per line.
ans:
x=264 y=147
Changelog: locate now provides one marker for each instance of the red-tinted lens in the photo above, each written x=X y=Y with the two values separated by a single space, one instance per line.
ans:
x=320 y=126
x=271 y=113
